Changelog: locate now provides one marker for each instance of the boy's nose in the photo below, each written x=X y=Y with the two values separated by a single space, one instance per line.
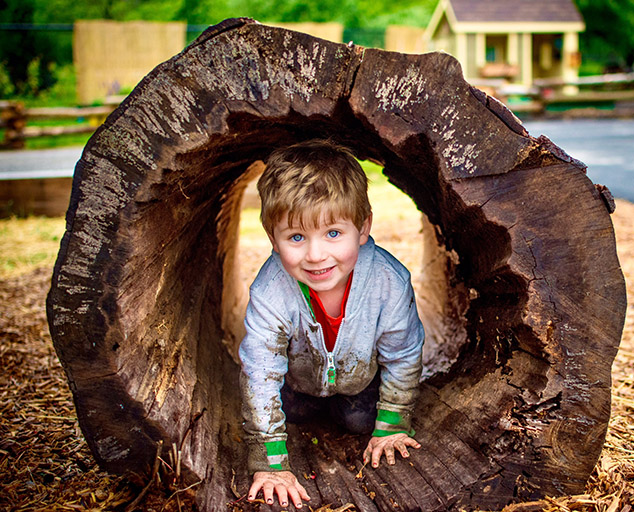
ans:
x=315 y=252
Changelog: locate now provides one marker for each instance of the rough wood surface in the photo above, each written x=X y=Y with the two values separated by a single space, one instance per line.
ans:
x=525 y=300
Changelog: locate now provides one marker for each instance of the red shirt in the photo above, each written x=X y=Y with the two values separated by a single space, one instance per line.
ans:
x=329 y=325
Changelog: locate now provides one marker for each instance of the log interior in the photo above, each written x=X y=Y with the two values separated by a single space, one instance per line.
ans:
x=523 y=302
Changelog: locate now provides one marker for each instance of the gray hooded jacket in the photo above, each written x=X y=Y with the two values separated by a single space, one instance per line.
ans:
x=283 y=342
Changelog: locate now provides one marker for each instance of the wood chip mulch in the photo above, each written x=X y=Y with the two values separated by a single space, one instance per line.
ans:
x=45 y=463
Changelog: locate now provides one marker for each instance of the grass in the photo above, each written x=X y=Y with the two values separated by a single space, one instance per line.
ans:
x=54 y=141
x=27 y=244
x=58 y=141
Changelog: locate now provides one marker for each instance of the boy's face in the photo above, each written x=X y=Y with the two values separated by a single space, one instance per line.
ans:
x=321 y=257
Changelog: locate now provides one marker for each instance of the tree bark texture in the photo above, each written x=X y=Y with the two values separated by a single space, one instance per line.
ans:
x=524 y=300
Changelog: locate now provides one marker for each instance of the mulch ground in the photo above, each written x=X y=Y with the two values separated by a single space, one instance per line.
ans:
x=46 y=465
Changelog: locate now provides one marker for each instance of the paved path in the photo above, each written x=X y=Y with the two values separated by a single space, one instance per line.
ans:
x=39 y=163
x=606 y=146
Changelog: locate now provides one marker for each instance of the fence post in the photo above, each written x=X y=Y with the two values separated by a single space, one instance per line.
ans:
x=13 y=120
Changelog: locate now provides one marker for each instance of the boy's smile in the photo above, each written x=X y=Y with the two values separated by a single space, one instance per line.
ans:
x=321 y=257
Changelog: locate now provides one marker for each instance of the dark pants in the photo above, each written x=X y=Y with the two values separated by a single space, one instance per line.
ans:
x=355 y=413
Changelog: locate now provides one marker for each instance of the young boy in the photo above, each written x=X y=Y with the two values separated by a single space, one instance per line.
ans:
x=332 y=326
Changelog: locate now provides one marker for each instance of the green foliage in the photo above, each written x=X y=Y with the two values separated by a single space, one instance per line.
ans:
x=6 y=85
x=609 y=35
x=303 y=10
x=67 y=11
x=373 y=13
x=353 y=13
x=368 y=37
x=373 y=171
x=415 y=16
x=203 y=12
x=32 y=82
x=62 y=92
x=28 y=55
x=590 y=67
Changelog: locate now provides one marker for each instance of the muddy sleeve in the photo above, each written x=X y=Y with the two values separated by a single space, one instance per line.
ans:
x=263 y=356
x=400 y=351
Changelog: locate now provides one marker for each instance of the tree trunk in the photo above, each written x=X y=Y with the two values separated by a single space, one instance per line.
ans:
x=523 y=301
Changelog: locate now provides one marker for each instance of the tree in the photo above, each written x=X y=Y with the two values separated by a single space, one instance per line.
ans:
x=524 y=300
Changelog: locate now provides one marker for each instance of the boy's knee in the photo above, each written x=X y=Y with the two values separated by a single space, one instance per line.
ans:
x=299 y=407
x=357 y=413
x=355 y=416
x=358 y=422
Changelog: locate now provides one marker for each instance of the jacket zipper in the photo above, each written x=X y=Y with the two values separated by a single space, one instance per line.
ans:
x=332 y=371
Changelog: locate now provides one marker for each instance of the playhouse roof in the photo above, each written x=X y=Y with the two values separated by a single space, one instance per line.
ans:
x=515 y=11
x=507 y=16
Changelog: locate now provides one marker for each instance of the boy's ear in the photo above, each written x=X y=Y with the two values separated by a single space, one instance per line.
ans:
x=273 y=243
x=365 y=230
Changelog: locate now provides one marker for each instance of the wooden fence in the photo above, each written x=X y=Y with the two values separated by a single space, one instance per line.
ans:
x=14 y=119
x=112 y=56
x=403 y=39
x=329 y=31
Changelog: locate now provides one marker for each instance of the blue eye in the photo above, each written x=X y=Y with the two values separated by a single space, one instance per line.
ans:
x=333 y=233
x=297 y=238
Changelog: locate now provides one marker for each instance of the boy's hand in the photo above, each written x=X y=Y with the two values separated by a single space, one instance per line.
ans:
x=283 y=483
x=379 y=445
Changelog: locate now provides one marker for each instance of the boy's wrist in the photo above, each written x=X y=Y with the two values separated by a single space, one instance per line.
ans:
x=392 y=420
x=277 y=455
x=268 y=456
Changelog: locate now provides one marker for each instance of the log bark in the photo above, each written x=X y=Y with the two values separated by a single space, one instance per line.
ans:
x=524 y=300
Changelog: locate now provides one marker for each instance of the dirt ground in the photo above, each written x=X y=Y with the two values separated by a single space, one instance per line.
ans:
x=46 y=465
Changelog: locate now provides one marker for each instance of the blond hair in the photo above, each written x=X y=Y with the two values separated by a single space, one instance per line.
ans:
x=310 y=179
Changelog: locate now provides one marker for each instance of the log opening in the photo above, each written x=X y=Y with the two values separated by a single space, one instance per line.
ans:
x=524 y=298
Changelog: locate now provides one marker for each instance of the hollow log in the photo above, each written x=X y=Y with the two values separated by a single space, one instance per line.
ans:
x=523 y=297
